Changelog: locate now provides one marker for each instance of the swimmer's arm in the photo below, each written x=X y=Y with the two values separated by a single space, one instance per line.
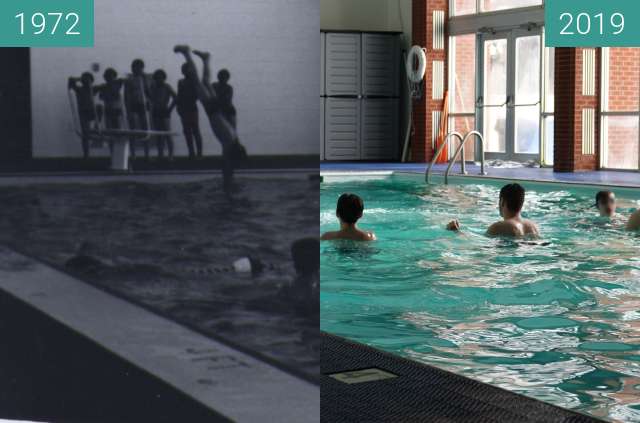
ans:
x=634 y=222
x=371 y=236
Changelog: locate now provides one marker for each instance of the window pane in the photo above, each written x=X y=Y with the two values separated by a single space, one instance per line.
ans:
x=495 y=94
x=624 y=79
x=491 y=5
x=528 y=70
x=464 y=73
x=550 y=80
x=528 y=130
x=548 y=140
x=527 y=109
x=464 y=125
x=622 y=142
x=464 y=7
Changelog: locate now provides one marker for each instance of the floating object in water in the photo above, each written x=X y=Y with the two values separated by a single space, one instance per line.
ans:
x=244 y=265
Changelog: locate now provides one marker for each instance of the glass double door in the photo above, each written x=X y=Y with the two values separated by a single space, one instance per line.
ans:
x=509 y=87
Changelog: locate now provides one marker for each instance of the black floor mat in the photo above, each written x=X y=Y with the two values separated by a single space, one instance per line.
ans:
x=407 y=391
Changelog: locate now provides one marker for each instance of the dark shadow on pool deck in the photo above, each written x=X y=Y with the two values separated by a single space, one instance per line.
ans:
x=416 y=392
x=50 y=373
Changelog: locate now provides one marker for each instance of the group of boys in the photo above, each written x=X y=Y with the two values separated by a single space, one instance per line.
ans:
x=351 y=207
x=148 y=103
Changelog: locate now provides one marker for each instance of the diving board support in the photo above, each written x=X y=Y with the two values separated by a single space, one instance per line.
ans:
x=232 y=383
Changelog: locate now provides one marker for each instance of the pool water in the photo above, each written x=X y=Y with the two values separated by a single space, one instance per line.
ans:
x=159 y=245
x=559 y=321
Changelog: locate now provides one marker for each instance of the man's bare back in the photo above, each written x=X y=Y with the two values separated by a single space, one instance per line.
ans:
x=351 y=233
x=515 y=227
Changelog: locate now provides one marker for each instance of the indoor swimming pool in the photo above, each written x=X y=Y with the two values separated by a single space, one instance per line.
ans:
x=168 y=246
x=557 y=319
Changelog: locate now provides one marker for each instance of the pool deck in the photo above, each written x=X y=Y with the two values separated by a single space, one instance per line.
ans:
x=360 y=383
x=150 y=177
x=602 y=177
x=228 y=382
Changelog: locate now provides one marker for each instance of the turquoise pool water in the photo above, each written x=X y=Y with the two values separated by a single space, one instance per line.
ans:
x=559 y=322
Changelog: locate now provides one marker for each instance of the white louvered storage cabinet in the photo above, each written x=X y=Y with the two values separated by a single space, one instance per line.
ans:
x=360 y=90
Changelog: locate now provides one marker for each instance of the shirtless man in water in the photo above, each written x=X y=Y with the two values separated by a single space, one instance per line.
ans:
x=606 y=204
x=512 y=225
x=349 y=211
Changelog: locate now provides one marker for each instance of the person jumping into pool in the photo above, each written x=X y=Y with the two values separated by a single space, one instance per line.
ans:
x=136 y=93
x=163 y=100
x=349 y=210
x=85 y=92
x=512 y=225
x=232 y=150
x=187 y=103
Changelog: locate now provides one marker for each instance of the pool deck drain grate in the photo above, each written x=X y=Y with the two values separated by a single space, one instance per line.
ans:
x=363 y=384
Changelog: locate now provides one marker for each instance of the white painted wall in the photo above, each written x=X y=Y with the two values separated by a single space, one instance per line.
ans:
x=367 y=15
x=270 y=48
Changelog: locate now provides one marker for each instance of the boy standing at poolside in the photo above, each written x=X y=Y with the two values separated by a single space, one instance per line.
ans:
x=224 y=91
x=110 y=94
x=510 y=206
x=349 y=210
x=136 y=92
x=83 y=87
x=187 y=102
x=163 y=100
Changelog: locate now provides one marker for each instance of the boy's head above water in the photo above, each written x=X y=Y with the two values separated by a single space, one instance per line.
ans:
x=606 y=203
x=350 y=208
x=511 y=200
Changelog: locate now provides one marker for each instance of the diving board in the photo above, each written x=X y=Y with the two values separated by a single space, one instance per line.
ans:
x=233 y=384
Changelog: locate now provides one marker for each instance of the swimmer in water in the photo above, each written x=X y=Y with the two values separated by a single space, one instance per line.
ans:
x=304 y=289
x=510 y=206
x=606 y=204
x=349 y=211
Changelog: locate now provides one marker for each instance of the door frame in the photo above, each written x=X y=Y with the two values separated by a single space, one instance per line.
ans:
x=511 y=35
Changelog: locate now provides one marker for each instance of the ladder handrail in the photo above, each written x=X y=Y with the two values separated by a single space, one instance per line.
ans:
x=479 y=136
x=439 y=151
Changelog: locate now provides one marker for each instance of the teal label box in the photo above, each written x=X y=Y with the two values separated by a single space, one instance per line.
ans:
x=46 y=23
x=592 y=23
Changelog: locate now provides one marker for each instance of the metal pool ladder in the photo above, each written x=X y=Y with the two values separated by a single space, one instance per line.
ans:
x=463 y=141
x=439 y=151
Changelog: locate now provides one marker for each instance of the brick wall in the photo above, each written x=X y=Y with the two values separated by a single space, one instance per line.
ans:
x=624 y=95
x=569 y=103
x=422 y=32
